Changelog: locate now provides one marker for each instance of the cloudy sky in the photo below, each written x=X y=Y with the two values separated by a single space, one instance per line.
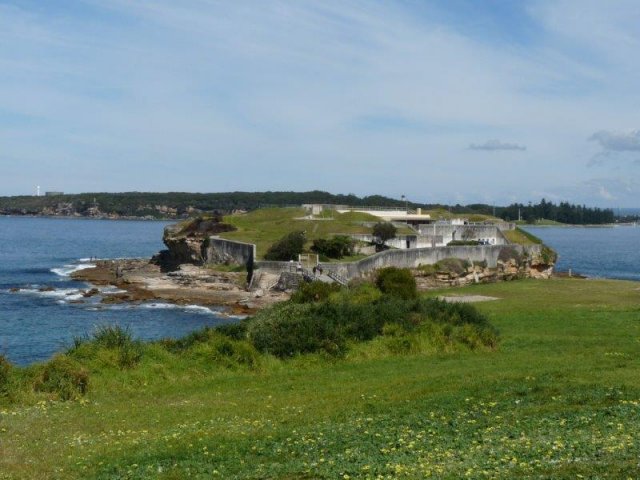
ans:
x=444 y=101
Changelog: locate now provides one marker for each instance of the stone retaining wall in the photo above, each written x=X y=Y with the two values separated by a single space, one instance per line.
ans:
x=220 y=251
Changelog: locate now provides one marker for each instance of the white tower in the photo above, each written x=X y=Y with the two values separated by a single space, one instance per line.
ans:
x=38 y=191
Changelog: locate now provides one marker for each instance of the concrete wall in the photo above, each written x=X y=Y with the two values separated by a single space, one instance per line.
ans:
x=412 y=258
x=218 y=250
x=269 y=266
x=450 y=233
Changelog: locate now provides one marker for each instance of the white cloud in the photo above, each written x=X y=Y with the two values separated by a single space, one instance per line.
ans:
x=492 y=145
x=267 y=95
x=618 y=141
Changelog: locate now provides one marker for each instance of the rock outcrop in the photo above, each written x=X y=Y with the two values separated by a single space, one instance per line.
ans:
x=187 y=241
x=512 y=266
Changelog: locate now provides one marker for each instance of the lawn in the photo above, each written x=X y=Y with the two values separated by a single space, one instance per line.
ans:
x=267 y=225
x=559 y=398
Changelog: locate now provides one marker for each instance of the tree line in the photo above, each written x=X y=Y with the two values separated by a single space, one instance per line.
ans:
x=563 y=212
x=141 y=204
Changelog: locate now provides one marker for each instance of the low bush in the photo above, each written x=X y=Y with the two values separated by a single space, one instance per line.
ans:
x=130 y=355
x=63 y=377
x=398 y=282
x=548 y=255
x=452 y=265
x=222 y=350
x=288 y=328
x=112 y=336
x=314 y=292
x=125 y=352
x=460 y=243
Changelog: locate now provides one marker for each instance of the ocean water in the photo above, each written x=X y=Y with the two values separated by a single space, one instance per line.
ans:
x=39 y=253
x=607 y=252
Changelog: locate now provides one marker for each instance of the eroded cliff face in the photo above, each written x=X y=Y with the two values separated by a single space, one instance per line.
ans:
x=510 y=266
x=187 y=241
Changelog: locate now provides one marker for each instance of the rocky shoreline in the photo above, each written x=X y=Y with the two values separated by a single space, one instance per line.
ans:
x=140 y=280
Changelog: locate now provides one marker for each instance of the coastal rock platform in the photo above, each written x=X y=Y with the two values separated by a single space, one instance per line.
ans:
x=140 y=280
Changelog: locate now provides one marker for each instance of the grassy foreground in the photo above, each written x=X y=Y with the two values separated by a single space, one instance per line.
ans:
x=560 y=398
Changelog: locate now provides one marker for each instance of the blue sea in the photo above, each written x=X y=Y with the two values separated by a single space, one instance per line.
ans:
x=600 y=252
x=37 y=254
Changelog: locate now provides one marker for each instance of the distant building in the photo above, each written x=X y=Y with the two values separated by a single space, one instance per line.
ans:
x=53 y=194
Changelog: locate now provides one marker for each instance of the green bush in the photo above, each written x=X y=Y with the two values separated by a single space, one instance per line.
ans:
x=287 y=329
x=459 y=243
x=221 y=350
x=314 y=292
x=237 y=331
x=287 y=248
x=5 y=375
x=398 y=282
x=130 y=355
x=310 y=324
x=112 y=336
x=452 y=265
x=548 y=255
x=63 y=377
x=336 y=247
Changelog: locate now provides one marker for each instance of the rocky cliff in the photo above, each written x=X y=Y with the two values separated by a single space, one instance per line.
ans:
x=510 y=266
x=187 y=241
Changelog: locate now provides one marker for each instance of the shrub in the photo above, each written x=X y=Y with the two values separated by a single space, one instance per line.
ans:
x=130 y=355
x=126 y=352
x=457 y=243
x=112 y=336
x=235 y=352
x=336 y=247
x=288 y=329
x=5 y=375
x=314 y=292
x=452 y=265
x=237 y=331
x=548 y=255
x=64 y=377
x=398 y=282
x=287 y=248
x=221 y=350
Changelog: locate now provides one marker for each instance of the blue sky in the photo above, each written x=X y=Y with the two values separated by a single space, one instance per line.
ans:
x=443 y=101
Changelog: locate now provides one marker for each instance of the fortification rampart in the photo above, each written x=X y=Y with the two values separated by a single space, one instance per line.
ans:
x=218 y=250
x=414 y=257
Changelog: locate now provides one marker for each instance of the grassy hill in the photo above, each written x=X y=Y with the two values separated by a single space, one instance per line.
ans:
x=560 y=398
x=267 y=225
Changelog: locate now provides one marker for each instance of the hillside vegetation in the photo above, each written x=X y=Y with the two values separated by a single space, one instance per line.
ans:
x=559 y=398
x=267 y=225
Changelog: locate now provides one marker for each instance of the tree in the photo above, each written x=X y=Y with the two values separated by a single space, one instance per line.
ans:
x=337 y=247
x=287 y=248
x=384 y=231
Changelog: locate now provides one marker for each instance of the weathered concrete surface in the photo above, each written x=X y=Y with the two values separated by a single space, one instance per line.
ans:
x=220 y=251
x=414 y=257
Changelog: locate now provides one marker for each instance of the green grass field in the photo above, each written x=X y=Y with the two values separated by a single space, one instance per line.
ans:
x=559 y=398
x=267 y=225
